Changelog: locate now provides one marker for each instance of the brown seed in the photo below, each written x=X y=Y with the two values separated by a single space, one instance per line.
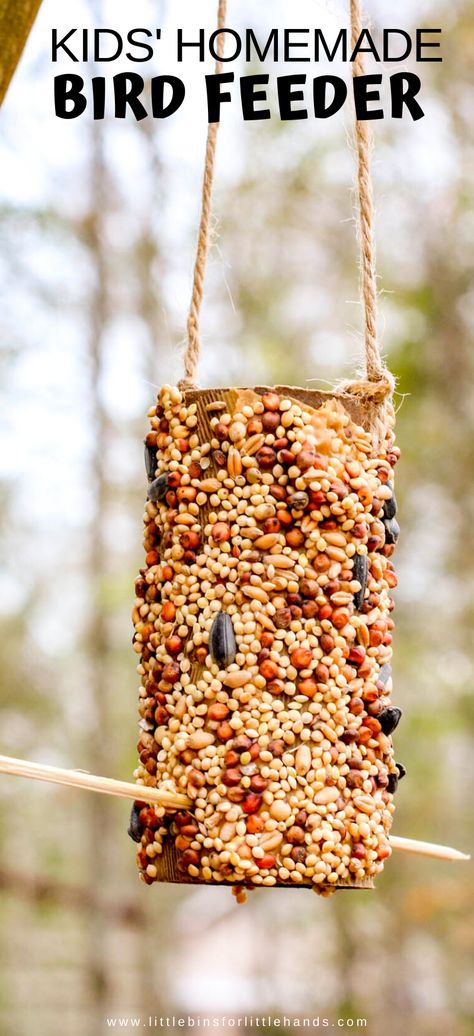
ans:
x=271 y=525
x=236 y=794
x=161 y=716
x=190 y=540
x=271 y=401
x=301 y=658
x=277 y=748
x=266 y=458
x=219 y=458
x=270 y=421
x=295 y=835
x=276 y=687
x=231 y=778
x=282 y=618
x=218 y=712
x=173 y=645
x=298 y=854
x=242 y=743
x=195 y=469
x=340 y=617
x=258 y=783
x=182 y=843
x=278 y=492
x=252 y=803
x=266 y=862
x=220 y=431
x=255 y=825
x=254 y=426
x=269 y=669
x=309 y=588
x=171 y=672
x=295 y=538
x=308 y=687
x=190 y=858
x=306 y=459
x=181 y=819
x=231 y=758
x=220 y=532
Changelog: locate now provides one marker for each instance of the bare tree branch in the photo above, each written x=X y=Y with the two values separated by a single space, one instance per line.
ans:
x=16 y=20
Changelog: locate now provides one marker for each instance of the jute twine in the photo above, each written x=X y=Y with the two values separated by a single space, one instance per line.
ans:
x=375 y=390
x=193 y=348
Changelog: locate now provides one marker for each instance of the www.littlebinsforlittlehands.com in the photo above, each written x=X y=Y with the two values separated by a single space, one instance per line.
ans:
x=225 y=1022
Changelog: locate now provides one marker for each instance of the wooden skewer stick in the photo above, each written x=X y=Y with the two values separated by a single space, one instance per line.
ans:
x=441 y=852
x=103 y=785
x=171 y=800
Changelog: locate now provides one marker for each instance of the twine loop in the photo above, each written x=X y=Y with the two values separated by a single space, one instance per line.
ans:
x=193 y=348
x=375 y=391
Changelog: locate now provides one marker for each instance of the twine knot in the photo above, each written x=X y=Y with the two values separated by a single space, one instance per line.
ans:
x=370 y=391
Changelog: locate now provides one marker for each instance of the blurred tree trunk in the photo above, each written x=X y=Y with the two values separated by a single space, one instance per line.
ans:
x=16 y=20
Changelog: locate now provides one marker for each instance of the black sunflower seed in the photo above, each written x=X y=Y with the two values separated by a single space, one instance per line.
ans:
x=135 y=828
x=394 y=778
x=222 y=642
x=360 y=570
x=390 y=505
x=392 y=530
x=150 y=462
x=389 y=718
x=158 y=489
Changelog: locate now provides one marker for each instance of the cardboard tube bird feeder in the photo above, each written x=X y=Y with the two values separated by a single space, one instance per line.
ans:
x=263 y=614
x=263 y=623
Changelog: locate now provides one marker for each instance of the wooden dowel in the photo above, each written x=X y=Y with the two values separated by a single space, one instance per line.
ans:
x=441 y=852
x=173 y=801
x=103 y=785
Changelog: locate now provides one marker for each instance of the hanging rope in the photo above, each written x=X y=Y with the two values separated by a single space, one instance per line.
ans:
x=193 y=348
x=376 y=390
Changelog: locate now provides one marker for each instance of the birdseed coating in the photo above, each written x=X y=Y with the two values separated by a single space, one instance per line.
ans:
x=263 y=623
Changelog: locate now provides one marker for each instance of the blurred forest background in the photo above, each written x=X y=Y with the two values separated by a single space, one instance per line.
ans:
x=98 y=224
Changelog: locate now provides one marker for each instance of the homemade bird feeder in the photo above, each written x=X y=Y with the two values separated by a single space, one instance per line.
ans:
x=263 y=619
x=263 y=616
